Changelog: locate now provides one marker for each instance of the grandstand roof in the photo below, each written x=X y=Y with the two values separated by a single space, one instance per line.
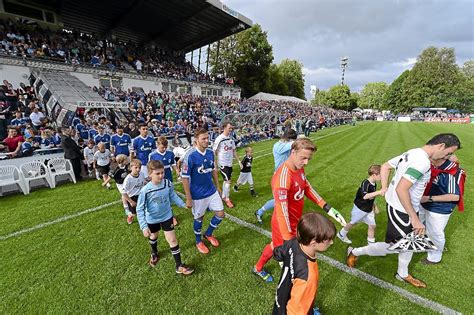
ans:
x=275 y=97
x=175 y=24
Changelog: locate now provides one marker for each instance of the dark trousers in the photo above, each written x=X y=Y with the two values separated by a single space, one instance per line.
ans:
x=76 y=167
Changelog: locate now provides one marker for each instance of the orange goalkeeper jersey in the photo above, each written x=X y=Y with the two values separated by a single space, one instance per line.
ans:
x=289 y=188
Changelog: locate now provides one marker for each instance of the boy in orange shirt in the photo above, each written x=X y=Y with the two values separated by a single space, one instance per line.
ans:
x=298 y=285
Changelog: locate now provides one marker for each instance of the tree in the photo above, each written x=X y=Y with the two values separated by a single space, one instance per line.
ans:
x=320 y=98
x=468 y=69
x=395 y=97
x=275 y=83
x=292 y=73
x=246 y=57
x=431 y=81
x=372 y=95
x=224 y=63
x=339 y=97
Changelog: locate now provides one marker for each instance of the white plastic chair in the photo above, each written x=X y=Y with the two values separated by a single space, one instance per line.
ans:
x=60 y=166
x=33 y=171
x=10 y=175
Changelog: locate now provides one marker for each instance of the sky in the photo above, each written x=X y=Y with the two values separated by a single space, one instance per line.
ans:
x=381 y=38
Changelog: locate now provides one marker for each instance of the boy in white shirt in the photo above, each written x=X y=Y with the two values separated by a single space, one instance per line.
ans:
x=102 y=163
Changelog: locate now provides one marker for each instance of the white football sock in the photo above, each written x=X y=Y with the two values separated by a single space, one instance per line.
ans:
x=374 y=249
x=403 y=262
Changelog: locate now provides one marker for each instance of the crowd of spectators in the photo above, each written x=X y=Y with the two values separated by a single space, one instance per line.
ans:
x=80 y=49
x=24 y=126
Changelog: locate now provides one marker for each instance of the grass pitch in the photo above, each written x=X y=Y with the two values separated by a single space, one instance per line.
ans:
x=96 y=263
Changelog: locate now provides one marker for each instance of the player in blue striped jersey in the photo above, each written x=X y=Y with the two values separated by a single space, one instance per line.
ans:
x=142 y=146
x=165 y=156
x=102 y=137
x=120 y=142
x=154 y=213
x=201 y=185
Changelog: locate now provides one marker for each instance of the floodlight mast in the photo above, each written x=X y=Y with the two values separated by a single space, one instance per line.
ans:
x=344 y=63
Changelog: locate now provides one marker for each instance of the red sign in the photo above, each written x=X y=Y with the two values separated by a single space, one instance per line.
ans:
x=465 y=120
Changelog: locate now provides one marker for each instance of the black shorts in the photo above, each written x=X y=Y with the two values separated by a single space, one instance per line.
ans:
x=226 y=172
x=130 y=208
x=398 y=225
x=166 y=226
x=103 y=170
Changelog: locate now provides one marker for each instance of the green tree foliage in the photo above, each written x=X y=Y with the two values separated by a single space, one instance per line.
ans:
x=432 y=81
x=372 y=95
x=339 y=96
x=320 y=98
x=246 y=57
x=395 y=99
x=292 y=73
x=468 y=69
x=275 y=83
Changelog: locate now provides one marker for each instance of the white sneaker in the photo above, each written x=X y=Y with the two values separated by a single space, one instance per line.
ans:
x=345 y=239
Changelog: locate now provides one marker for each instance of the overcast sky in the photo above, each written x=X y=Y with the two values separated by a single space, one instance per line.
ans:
x=381 y=38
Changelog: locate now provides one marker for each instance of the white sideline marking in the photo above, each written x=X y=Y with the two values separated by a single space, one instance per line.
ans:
x=424 y=302
x=61 y=219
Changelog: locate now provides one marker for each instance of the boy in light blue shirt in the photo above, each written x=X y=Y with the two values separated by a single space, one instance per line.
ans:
x=154 y=213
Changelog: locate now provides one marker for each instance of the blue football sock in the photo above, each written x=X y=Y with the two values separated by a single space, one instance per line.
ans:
x=215 y=221
x=270 y=204
x=197 y=230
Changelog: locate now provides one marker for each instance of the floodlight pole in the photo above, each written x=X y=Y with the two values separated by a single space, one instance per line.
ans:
x=199 y=60
x=207 y=62
x=344 y=63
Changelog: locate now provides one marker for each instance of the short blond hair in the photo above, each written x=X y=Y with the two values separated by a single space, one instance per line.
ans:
x=136 y=162
x=303 y=144
x=121 y=159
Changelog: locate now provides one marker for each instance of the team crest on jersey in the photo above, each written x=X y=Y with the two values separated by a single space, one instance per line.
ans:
x=202 y=170
x=282 y=195
x=299 y=194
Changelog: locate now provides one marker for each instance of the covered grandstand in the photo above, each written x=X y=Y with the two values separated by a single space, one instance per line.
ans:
x=168 y=28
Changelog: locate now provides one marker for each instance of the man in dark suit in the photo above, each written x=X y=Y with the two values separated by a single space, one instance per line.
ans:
x=72 y=152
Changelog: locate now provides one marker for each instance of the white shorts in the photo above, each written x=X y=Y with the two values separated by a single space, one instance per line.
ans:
x=245 y=178
x=358 y=215
x=213 y=202
x=120 y=188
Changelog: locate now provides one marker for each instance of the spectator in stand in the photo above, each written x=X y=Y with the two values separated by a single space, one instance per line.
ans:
x=13 y=141
x=36 y=118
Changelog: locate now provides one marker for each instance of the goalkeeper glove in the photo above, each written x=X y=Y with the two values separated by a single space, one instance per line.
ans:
x=334 y=214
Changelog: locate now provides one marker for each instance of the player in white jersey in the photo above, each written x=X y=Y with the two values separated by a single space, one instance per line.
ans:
x=403 y=196
x=89 y=151
x=225 y=151
x=102 y=163
x=131 y=187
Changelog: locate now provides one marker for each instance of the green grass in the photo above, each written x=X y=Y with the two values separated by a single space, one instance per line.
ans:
x=96 y=263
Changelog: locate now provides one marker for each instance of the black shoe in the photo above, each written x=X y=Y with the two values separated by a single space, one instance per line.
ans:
x=236 y=188
x=252 y=192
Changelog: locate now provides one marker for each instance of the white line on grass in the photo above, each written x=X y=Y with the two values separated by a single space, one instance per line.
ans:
x=62 y=219
x=426 y=303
